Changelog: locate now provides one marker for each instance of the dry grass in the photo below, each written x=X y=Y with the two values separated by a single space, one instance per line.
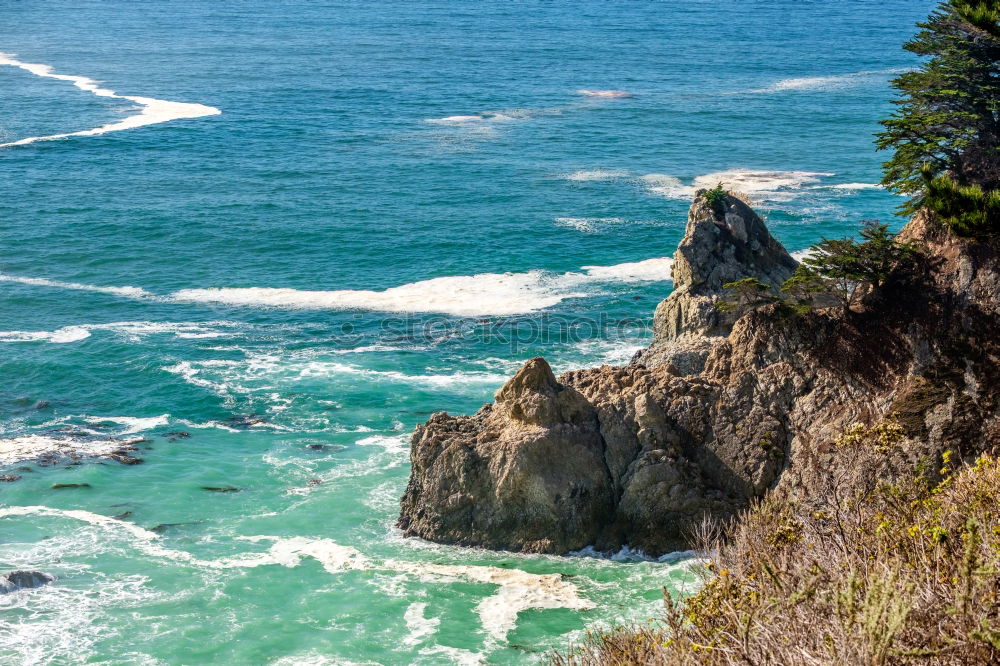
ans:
x=744 y=197
x=869 y=573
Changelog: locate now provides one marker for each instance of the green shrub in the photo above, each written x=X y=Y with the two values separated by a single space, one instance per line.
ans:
x=716 y=197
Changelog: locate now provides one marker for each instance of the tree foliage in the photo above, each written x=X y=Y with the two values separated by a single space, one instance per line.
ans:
x=845 y=268
x=947 y=124
x=747 y=292
x=969 y=211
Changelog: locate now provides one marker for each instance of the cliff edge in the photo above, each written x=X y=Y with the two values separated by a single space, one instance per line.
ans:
x=721 y=407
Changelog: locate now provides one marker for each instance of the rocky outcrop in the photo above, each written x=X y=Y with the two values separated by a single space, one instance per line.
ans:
x=19 y=580
x=718 y=412
x=722 y=243
x=526 y=473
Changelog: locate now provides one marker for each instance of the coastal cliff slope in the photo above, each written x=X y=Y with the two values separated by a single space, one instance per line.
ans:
x=723 y=406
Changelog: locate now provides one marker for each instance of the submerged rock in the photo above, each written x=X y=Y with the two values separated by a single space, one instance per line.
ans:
x=717 y=412
x=19 y=580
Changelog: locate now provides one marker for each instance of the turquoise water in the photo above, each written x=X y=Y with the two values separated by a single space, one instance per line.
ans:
x=395 y=205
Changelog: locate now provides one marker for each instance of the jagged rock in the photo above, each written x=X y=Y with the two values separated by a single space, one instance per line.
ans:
x=638 y=455
x=526 y=473
x=721 y=244
x=19 y=580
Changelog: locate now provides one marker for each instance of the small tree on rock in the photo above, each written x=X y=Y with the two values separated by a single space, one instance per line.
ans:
x=845 y=268
x=748 y=292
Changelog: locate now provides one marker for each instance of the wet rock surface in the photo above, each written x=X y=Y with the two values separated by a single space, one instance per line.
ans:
x=20 y=580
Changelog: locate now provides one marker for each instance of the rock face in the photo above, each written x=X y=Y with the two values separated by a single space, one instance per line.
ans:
x=721 y=244
x=17 y=580
x=526 y=473
x=717 y=412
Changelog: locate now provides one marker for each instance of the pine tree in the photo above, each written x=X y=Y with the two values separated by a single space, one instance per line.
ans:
x=947 y=125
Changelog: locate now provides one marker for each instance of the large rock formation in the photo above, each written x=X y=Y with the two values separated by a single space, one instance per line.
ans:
x=717 y=412
x=722 y=243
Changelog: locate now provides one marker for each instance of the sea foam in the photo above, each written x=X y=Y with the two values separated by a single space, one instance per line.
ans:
x=516 y=592
x=484 y=294
x=830 y=82
x=763 y=185
x=153 y=110
x=124 y=292
x=132 y=331
x=607 y=94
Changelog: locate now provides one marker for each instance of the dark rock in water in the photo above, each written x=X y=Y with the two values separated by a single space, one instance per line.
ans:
x=25 y=469
x=318 y=447
x=8 y=478
x=122 y=516
x=314 y=482
x=19 y=580
x=180 y=434
x=245 y=420
x=724 y=406
x=222 y=489
x=60 y=486
x=163 y=527
x=124 y=458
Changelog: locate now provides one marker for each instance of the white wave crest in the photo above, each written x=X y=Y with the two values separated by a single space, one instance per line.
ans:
x=765 y=186
x=831 y=82
x=585 y=224
x=130 y=330
x=485 y=294
x=608 y=94
x=58 y=336
x=124 y=292
x=419 y=626
x=153 y=110
x=666 y=186
x=481 y=118
x=856 y=186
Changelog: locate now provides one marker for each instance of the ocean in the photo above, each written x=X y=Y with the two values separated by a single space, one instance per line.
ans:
x=260 y=242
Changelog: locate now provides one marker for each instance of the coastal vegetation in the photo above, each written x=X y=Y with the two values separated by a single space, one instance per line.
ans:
x=845 y=269
x=896 y=573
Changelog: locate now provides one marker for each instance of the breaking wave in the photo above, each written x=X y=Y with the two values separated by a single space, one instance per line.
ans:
x=486 y=294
